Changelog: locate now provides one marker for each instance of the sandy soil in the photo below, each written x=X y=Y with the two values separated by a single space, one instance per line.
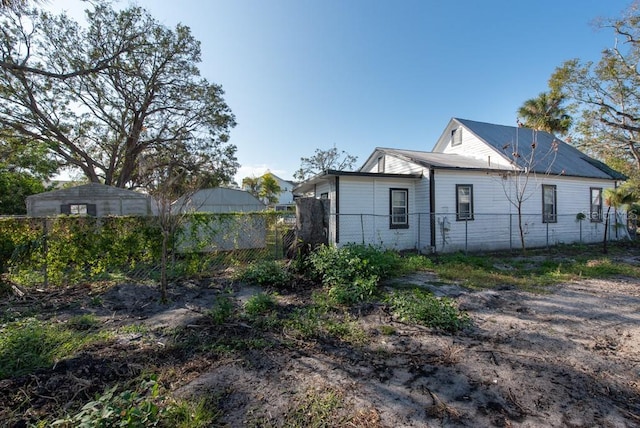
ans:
x=566 y=358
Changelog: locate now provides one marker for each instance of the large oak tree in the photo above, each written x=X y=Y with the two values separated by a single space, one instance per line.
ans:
x=117 y=100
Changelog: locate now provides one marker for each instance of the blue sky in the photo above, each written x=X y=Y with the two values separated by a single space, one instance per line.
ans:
x=359 y=74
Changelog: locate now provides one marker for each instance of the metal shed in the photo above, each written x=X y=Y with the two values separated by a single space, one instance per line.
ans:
x=93 y=199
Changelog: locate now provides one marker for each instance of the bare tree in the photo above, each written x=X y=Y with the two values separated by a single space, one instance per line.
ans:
x=323 y=160
x=529 y=162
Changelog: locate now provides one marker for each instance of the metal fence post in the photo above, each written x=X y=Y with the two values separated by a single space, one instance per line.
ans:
x=466 y=235
x=547 y=235
x=510 y=231
x=45 y=251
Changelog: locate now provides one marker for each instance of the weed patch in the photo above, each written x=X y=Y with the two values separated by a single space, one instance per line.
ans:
x=28 y=345
x=422 y=307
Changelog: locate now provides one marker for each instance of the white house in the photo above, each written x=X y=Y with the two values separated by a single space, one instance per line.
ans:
x=464 y=195
x=285 y=198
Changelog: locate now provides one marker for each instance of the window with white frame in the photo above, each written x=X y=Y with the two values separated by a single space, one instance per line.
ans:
x=464 y=202
x=381 y=164
x=399 y=208
x=549 y=204
x=595 y=211
x=78 y=209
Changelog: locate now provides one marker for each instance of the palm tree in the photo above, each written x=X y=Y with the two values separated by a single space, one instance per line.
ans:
x=544 y=113
x=615 y=198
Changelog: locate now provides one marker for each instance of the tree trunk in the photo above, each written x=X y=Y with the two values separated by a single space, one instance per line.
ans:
x=312 y=223
x=163 y=267
x=521 y=230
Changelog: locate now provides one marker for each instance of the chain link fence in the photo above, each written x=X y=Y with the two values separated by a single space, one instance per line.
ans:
x=482 y=232
x=71 y=249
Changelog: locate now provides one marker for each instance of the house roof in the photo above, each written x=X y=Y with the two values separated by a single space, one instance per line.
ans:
x=439 y=160
x=92 y=190
x=307 y=185
x=224 y=196
x=550 y=154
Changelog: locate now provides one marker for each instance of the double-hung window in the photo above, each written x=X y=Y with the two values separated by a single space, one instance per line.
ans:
x=595 y=210
x=399 y=209
x=464 y=202
x=549 y=204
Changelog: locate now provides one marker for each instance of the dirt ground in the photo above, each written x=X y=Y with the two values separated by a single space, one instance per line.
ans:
x=566 y=358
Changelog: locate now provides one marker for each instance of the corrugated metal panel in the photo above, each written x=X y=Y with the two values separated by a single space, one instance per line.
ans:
x=551 y=155
x=442 y=160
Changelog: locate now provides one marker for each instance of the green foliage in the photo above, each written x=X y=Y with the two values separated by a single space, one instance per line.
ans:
x=357 y=290
x=14 y=188
x=259 y=304
x=266 y=273
x=133 y=409
x=322 y=319
x=269 y=189
x=83 y=322
x=422 y=307
x=185 y=414
x=121 y=135
x=30 y=344
x=545 y=113
x=415 y=262
x=222 y=310
x=72 y=249
x=339 y=265
x=352 y=272
x=76 y=248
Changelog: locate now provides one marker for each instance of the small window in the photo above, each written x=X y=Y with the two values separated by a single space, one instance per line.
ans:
x=464 y=202
x=456 y=137
x=381 y=164
x=549 y=204
x=78 y=209
x=595 y=212
x=324 y=195
x=399 y=209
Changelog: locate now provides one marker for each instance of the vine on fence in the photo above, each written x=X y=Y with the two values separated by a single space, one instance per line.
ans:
x=71 y=249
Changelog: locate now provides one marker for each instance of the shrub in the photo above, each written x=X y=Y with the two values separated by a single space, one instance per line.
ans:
x=424 y=308
x=352 y=272
x=358 y=290
x=259 y=304
x=340 y=265
x=266 y=272
x=222 y=310
x=127 y=409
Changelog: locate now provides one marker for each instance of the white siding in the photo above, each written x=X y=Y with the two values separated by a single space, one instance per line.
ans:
x=364 y=213
x=471 y=146
x=392 y=165
x=495 y=223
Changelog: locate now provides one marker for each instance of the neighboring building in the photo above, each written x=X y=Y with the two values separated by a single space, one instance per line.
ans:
x=246 y=230
x=285 y=198
x=92 y=199
x=221 y=200
x=459 y=196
